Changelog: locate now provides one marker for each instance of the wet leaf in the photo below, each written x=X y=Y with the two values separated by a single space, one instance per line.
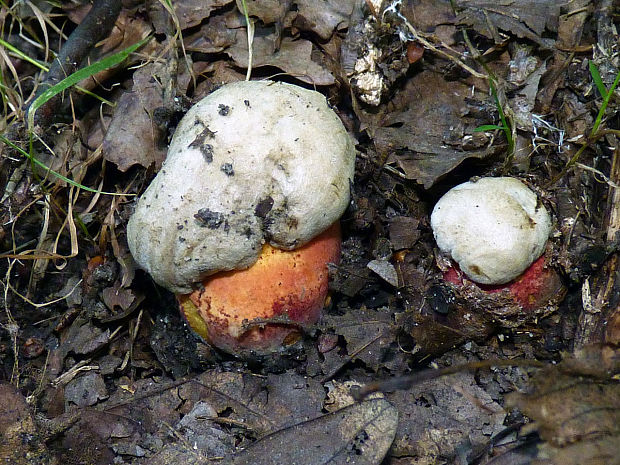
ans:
x=360 y=433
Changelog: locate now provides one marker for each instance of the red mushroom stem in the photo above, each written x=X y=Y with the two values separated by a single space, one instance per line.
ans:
x=537 y=285
x=267 y=306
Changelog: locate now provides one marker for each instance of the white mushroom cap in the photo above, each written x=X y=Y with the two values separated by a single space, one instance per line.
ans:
x=494 y=228
x=252 y=162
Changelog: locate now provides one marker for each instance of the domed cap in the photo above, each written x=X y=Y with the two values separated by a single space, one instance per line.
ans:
x=494 y=228
x=252 y=162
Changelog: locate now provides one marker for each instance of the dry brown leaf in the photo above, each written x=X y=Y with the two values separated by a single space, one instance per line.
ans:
x=116 y=296
x=128 y=29
x=360 y=433
x=525 y=19
x=404 y=232
x=213 y=36
x=428 y=138
x=268 y=11
x=133 y=137
x=323 y=17
x=294 y=57
x=575 y=407
x=192 y=12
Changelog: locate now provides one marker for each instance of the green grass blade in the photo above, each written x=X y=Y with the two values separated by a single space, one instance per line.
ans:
x=52 y=172
x=95 y=96
x=502 y=117
x=601 y=111
x=44 y=67
x=22 y=55
x=596 y=77
x=80 y=74
x=488 y=127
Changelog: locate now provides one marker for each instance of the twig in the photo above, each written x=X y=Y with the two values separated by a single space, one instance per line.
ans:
x=421 y=37
x=406 y=382
x=613 y=208
x=96 y=26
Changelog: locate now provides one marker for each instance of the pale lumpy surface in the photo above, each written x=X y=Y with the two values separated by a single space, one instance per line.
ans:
x=494 y=228
x=253 y=162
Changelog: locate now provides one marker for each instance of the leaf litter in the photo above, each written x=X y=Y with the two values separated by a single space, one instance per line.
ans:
x=116 y=377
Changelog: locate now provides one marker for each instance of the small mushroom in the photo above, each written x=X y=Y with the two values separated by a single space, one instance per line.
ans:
x=496 y=230
x=254 y=170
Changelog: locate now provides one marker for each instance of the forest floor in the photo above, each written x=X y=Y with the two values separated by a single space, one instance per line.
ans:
x=98 y=367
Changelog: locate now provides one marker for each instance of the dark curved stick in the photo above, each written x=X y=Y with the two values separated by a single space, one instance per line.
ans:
x=406 y=382
x=96 y=26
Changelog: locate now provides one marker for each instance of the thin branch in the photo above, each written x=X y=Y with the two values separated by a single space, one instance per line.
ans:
x=96 y=26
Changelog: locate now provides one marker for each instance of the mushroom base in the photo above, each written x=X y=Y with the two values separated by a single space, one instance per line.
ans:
x=533 y=294
x=267 y=307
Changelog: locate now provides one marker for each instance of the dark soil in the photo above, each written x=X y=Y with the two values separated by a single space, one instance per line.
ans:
x=98 y=367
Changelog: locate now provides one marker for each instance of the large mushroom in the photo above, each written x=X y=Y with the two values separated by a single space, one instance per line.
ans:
x=255 y=170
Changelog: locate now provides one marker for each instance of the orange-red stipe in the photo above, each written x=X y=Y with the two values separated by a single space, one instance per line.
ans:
x=267 y=306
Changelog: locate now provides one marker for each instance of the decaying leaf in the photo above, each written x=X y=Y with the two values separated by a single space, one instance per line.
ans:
x=360 y=433
x=191 y=12
x=369 y=335
x=575 y=407
x=133 y=137
x=444 y=418
x=428 y=141
x=404 y=232
x=293 y=57
x=180 y=453
x=85 y=338
x=20 y=443
x=85 y=390
x=525 y=19
x=262 y=405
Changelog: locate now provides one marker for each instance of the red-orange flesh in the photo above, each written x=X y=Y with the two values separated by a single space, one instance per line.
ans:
x=267 y=306
x=534 y=287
